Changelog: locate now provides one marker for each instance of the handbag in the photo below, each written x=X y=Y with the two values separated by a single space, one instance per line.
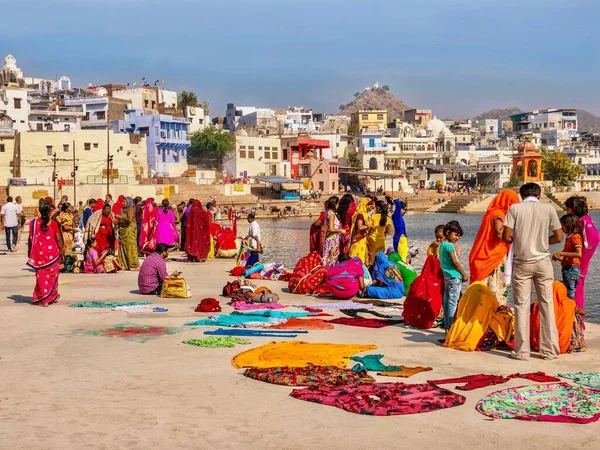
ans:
x=175 y=288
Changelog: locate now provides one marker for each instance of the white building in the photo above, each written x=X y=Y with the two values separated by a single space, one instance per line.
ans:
x=197 y=119
x=233 y=114
x=495 y=170
x=337 y=144
x=55 y=120
x=256 y=156
x=13 y=103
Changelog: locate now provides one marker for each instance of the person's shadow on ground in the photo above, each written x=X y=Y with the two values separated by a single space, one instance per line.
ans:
x=20 y=298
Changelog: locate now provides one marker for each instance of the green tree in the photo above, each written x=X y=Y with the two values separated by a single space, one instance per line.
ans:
x=187 y=98
x=211 y=146
x=342 y=106
x=558 y=168
x=352 y=158
x=356 y=94
x=385 y=87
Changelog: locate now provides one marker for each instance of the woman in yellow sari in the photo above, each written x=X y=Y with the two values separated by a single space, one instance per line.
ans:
x=67 y=228
x=359 y=231
x=381 y=226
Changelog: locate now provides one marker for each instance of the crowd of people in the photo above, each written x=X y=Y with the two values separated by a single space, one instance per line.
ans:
x=511 y=248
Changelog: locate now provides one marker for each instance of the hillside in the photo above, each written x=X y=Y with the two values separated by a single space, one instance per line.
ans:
x=376 y=98
x=587 y=121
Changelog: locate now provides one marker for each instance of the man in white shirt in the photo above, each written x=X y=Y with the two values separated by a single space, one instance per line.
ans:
x=531 y=222
x=9 y=216
x=254 y=235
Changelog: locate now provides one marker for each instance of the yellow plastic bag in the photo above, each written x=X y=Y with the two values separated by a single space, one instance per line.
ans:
x=175 y=288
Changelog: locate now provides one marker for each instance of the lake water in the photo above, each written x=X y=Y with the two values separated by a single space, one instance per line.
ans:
x=286 y=241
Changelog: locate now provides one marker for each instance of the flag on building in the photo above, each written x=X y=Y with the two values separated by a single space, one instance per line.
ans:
x=134 y=83
x=156 y=82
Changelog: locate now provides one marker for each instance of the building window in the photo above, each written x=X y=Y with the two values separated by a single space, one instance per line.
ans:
x=260 y=147
x=333 y=186
x=101 y=115
x=200 y=121
x=251 y=147
x=48 y=126
x=337 y=144
x=87 y=116
x=250 y=154
x=379 y=116
x=17 y=102
x=267 y=155
x=242 y=153
x=320 y=170
x=183 y=153
x=39 y=127
x=87 y=146
x=285 y=154
x=321 y=185
x=2 y=150
x=67 y=127
x=65 y=147
x=95 y=145
x=146 y=103
x=153 y=104
x=365 y=117
x=267 y=149
x=49 y=150
x=242 y=147
x=274 y=155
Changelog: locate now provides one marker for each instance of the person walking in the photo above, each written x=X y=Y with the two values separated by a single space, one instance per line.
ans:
x=526 y=228
x=22 y=219
x=9 y=215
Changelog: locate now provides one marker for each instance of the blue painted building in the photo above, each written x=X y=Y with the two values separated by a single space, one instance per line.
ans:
x=167 y=140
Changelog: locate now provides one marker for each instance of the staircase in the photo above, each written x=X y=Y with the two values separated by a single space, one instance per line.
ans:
x=556 y=201
x=458 y=203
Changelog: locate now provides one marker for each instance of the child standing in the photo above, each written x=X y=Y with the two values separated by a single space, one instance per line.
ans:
x=570 y=257
x=454 y=274
x=434 y=247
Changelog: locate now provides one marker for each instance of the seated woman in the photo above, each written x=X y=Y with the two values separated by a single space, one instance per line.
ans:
x=387 y=281
x=309 y=276
x=424 y=300
x=104 y=262
x=346 y=279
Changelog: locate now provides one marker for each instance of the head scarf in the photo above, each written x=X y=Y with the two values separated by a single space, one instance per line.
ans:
x=118 y=205
x=129 y=203
x=49 y=201
x=361 y=209
x=197 y=232
x=99 y=205
x=398 y=219
x=488 y=250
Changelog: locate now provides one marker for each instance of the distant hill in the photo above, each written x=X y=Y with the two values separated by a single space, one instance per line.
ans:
x=499 y=114
x=376 y=98
x=587 y=121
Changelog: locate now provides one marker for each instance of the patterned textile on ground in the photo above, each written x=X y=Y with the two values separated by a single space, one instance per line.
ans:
x=405 y=371
x=255 y=333
x=365 y=323
x=303 y=324
x=243 y=306
x=372 y=363
x=310 y=375
x=380 y=303
x=577 y=343
x=298 y=354
x=382 y=399
x=591 y=380
x=354 y=312
x=140 y=309
x=133 y=332
x=274 y=314
x=477 y=310
x=337 y=305
x=558 y=402
x=564 y=312
x=95 y=304
x=483 y=380
x=226 y=320
x=494 y=337
x=309 y=275
x=217 y=341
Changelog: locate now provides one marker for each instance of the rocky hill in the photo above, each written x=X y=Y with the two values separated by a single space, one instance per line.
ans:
x=376 y=98
x=587 y=121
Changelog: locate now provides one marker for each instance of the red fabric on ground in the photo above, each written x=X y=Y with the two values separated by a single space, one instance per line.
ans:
x=539 y=377
x=366 y=323
x=473 y=381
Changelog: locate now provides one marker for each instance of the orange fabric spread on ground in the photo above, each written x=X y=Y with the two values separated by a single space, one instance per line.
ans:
x=296 y=323
x=564 y=311
x=488 y=250
x=405 y=372
x=298 y=354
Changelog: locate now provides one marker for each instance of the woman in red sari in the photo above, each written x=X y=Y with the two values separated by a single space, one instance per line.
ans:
x=197 y=233
x=45 y=248
x=118 y=205
x=99 y=205
x=148 y=231
x=317 y=230
x=102 y=226
x=309 y=276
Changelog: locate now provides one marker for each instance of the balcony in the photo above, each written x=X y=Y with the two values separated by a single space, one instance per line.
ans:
x=93 y=123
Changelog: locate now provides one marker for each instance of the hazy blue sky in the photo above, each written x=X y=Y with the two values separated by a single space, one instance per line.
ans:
x=457 y=57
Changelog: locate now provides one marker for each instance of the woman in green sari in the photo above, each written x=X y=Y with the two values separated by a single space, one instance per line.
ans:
x=128 y=251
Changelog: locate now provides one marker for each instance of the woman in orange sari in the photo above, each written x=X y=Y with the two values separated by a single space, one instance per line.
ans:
x=489 y=256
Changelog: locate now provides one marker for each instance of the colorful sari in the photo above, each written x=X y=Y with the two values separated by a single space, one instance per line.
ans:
x=44 y=258
x=358 y=239
x=377 y=234
x=147 y=236
x=347 y=226
x=400 y=244
x=309 y=275
x=332 y=243
x=342 y=278
x=99 y=205
x=166 y=231
x=128 y=254
x=591 y=239
x=104 y=229
x=317 y=235
x=387 y=281
x=424 y=300
x=117 y=206
x=197 y=240
x=488 y=257
x=66 y=221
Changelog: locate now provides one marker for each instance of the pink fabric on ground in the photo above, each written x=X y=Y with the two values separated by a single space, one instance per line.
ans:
x=243 y=306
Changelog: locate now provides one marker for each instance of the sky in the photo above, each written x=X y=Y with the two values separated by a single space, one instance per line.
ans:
x=456 y=57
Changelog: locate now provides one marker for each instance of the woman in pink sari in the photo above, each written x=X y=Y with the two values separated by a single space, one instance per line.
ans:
x=346 y=279
x=45 y=249
x=591 y=239
x=166 y=231
x=148 y=232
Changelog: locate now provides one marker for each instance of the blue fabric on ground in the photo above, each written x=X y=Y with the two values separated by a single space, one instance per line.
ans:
x=226 y=320
x=95 y=304
x=372 y=363
x=255 y=268
x=255 y=333
x=273 y=314
x=383 y=292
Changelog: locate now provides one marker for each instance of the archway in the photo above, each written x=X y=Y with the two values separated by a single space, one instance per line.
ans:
x=373 y=163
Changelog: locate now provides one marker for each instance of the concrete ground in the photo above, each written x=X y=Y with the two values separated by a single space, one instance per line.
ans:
x=61 y=389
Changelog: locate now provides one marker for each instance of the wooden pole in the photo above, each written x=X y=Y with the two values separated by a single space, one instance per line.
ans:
x=74 y=177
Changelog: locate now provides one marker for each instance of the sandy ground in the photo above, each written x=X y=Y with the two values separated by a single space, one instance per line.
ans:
x=60 y=389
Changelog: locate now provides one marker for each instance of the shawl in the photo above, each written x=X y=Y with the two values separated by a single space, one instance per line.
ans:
x=317 y=235
x=118 y=205
x=398 y=219
x=129 y=203
x=93 y=225
x=197 y=232
x=386 y=272
x=147 y=233
x=424 y=300
x=361 y=210
x=488 y=250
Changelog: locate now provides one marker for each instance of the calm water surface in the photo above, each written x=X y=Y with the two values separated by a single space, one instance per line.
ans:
x=286 y=241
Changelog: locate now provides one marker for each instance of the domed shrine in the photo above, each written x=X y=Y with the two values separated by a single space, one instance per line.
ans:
x=527 y=163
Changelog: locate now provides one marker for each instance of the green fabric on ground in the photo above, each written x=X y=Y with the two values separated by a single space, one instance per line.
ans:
x=106 y=304
x=217 y=341
x=372 y=363
x=591 y=379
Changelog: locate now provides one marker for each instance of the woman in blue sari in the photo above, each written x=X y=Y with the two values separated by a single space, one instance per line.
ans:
x=400 y=245
x=387 y=281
